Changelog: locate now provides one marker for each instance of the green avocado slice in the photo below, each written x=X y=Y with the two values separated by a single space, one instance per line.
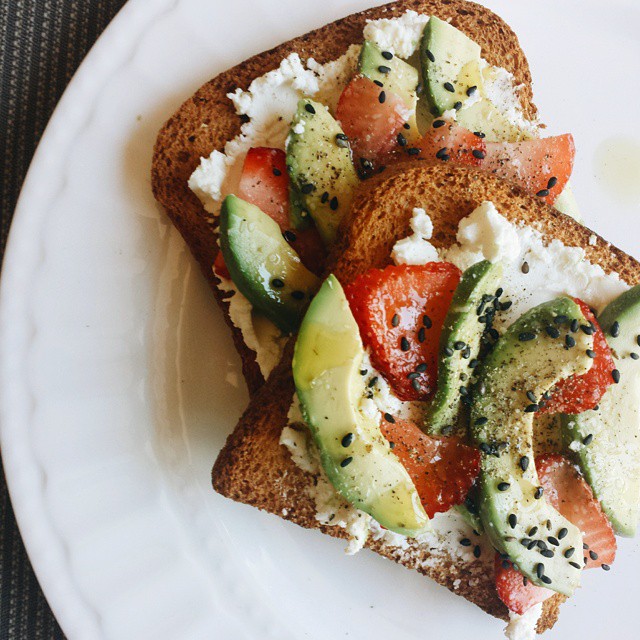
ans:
x=356 y=457
x=524 y=364
x=264 y=267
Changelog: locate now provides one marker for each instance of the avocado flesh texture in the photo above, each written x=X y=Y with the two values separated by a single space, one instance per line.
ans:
x=326 y=370
x=402 y=80
x=457 y=59
x=511 y=369
x=611 y=461
x=318 y=166
x=256 y=255
x=461 y=325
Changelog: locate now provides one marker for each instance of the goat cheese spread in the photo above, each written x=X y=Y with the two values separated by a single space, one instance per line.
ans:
x=523 y=627
x=270 y=102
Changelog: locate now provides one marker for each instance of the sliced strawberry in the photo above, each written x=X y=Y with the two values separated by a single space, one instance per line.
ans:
x=400 y=311
x=518 y=593
x=220 y=267
x=309 y=246
x=442 y=469
x=581 y=393
x=372 y=118
x=265 y=183
x=447 y=140
x=568 y=492
x=542 y=166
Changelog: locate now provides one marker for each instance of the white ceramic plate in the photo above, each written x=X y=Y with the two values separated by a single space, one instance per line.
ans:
x=119 y=382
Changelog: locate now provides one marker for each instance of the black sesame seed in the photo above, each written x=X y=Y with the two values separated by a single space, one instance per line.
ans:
x=276 y=283
x=389 y=418
x=342 y=141
x=387 y=55
x=324 y=197
x=276 y=171
x=307 y=188
x=457 y=105
x=430 y=55
x=545 y=579
x=465 y=542
x=638 y=340
x=615 y=374
x=634 y=356
x=449 y=87
x=525 y=336
x=421 y=335
x=476 y=153
x=542 y=545
x=422 y=367
x=513 y=520
x=575 y=565
x=297 y=294
x=561 y=319
x=477 y=551
x=547 y=553
x=553 y=181
x=378 y=83
x=382 y=97
x=474 y=363
x=395 y=321
x=406 y=125
x=505 y=305
x=464 y=391
x=543 y=193
x=347 y=461
x=404 y=344
x=438 y=123
x=531 y=396
x=587 y=440
x=563 y=533
x=309 y=108
x=553 y=540
x=413 y=375
x=538 y=493
x=479 y=134
x=532 y=408
x=569 y=552
x=533 y=531
x=499 y=292
x=531 y=545
x=615 y=329
x=493 y=333
x=591 y=353
x=593 y=555
x=481 y=421
x=416 y=385
x=347 y=441
x=289 y=236
x=471 y=90
x=569 y=341
x=585 y=546
x=334 y=204
x=363 y=372
x=540 y=570
x=503 y=486
x=448 y=351
x=524 y=465
x=441 y=153
x=575 y=325
x=373 y=382
x=383 y=69
x=506 y=564
x=552 y=332
x=402 y=141
x=426 y=321
x=413 y=151
x=606 y=567
x=525 y=542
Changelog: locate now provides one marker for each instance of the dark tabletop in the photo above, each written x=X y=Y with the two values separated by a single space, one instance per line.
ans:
x=42 y=42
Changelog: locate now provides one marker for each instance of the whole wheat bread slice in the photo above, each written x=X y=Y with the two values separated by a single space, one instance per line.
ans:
x=255 y=469
x=183 y=140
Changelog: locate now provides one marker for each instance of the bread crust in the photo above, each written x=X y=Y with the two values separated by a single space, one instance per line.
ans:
x=255 y=469
x=183 y=140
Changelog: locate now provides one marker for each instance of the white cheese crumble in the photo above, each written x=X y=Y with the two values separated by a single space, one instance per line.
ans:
x=207 y=180
x=523 y=627
x=259 y=334
x=400 y=36
x=416 y=248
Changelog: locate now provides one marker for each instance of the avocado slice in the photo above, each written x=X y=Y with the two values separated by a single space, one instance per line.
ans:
x=397 y=76
x=608 y=440
x=524 y=364
x=263 y=265
x=356 y=457
x=464 y=324
x=323 y=177
x=444 y=53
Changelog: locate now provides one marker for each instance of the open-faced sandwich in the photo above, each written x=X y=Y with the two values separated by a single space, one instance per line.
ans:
x=443 y=363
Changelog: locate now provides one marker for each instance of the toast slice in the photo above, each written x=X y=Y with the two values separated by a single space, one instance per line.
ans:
x=255 y=469
x=183 y=140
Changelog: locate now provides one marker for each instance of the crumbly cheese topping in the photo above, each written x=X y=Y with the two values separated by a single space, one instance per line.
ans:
x=523 y=627
x=401 y=36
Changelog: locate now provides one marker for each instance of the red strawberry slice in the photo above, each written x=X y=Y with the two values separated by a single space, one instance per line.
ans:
x=442 y=469
x=400 y=311
x=568 y=492
x=518 y=593
x=220 y=267
x=580 y=393
x=309 y=246
x=542 y=166
x=265 y=183
x=372 y=118
x=448 y=141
